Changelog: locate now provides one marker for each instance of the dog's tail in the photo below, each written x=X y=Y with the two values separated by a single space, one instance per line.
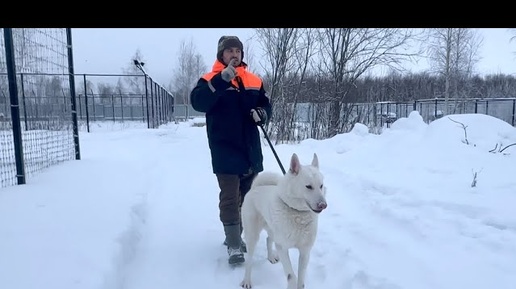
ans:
x=266 y=179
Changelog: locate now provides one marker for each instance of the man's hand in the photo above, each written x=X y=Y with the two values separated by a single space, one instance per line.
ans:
x=259 y=115
x=229 y=72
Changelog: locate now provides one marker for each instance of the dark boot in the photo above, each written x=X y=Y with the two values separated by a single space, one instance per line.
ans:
x=242 y=243
x=243 y=246
x=234 y=242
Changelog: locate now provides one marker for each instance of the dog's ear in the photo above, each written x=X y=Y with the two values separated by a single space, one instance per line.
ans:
x=315 y=161
x=294 y=164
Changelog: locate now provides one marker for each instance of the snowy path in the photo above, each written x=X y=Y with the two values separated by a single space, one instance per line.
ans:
x=181 y=231
x=373 y=235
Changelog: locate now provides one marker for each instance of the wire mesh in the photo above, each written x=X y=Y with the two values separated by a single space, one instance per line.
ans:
x=122 y=97
x=41 y=60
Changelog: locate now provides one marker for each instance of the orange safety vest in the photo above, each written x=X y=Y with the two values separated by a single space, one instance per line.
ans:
x=250 y=81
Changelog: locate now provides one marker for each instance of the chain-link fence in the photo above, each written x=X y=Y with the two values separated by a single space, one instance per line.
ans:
x=431 y=109
x=310 y=119
x=36 y=112
x=377 y=114
x=186 y=111
x=122 y=97
x=43 y=103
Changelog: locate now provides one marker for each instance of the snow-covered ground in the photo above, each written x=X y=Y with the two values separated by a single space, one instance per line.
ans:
x=140 y=210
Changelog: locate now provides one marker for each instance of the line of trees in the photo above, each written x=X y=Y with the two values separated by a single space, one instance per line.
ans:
x=337 y=67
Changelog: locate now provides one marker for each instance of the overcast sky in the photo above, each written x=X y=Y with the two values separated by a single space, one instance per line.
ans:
x=108 y=50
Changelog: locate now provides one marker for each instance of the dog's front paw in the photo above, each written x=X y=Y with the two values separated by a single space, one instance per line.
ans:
x=273 y=257
x=246 y=284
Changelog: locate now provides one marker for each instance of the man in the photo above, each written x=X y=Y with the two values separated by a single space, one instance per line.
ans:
x=235 y=103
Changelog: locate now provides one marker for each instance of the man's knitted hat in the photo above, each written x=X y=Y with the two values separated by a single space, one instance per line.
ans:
x=228 y=42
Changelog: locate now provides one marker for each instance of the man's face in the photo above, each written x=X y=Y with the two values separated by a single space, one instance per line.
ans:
x=230 y=53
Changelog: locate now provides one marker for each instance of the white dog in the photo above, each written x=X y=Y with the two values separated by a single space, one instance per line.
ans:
x=287 y=207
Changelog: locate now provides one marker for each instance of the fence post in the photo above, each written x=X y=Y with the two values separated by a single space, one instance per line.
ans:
x=152 y=102
x=143 y=109
x=476 y=105
x=113 y=106
x=147 y=101
x=170 y=107
x=513 y=110
x=375 y=114
x=121 y=105
x=131 y=110
x=388 y=111
x=86 y=103
x=162 y=107
x=166 y=107
x=94 y=109
x=80 y=106
x=15 y=107
x=368 y=120
x=381 y=114
x=158 y=105
x=71 y=79
x=435 y=110
x=24 y=102
x=162 y=104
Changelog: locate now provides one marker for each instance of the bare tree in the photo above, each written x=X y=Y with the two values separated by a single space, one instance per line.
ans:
x=134 y=82
x=348 y=53
x=53 y=86
x=190 y=67
x=279 y=45
x=287 y=54
x=453 y=53
x=125 y=98
x=106 y=91
x=249 y=58
x=83 y=89
x=513 y=37
x=305 y=50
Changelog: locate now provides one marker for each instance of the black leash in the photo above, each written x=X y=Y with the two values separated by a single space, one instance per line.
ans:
x=272 y=148
x=242 y=88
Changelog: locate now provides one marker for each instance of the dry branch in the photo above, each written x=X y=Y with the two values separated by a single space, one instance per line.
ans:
x=507 y=147
x=500 y=150
x=474 y=182
x=464 y=127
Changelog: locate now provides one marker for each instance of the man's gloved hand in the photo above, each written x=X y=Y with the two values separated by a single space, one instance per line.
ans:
x=259 y=115
x=229 y=72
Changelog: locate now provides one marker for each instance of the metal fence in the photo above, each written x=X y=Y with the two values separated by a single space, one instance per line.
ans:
x=311 y=119
x=122 y=97
x=186 y=111
x=378 y=114
x=43 y=103
x=37 y=128
x=431 y=109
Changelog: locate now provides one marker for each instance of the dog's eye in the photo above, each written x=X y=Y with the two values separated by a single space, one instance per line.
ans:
x=321 y=186
x=309 y=187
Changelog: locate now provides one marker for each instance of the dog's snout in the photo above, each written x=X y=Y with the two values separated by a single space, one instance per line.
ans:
x=322 y=205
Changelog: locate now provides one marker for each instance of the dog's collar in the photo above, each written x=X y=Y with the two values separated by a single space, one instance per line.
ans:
x=287 y=204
